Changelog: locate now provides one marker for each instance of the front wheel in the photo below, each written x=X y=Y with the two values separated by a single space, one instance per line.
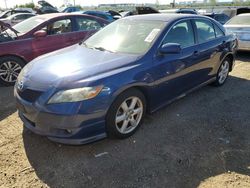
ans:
x=126 y=114
x=10 y=67
x=223 y=72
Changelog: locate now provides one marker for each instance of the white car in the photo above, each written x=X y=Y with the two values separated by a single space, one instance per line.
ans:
x=17 y=18
x=240 y=26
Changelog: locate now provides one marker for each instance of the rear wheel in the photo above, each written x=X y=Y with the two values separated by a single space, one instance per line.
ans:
x=126 y=114
x=223 y=72
x=10 y=67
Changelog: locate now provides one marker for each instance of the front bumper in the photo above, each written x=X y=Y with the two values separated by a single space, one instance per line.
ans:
x=244 y=45
x=72 y=129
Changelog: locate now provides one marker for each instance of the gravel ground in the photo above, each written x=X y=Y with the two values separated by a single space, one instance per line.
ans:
x=202 y=140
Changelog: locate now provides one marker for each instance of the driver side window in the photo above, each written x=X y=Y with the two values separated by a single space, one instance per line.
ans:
x=59 y=27
x=181 y=33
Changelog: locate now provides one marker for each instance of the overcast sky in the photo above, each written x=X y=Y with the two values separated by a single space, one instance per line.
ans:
x=58 y=3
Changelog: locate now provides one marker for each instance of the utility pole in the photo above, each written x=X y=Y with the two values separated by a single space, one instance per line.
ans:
x=173 y=4
x=5 y=1
x=74 y=3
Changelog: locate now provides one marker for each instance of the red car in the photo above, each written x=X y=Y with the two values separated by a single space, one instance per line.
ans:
x=39 y=35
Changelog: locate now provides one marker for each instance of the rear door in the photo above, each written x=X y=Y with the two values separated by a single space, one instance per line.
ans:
x=210 y=47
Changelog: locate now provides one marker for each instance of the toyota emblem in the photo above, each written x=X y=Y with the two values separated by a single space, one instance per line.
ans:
x=20 y=85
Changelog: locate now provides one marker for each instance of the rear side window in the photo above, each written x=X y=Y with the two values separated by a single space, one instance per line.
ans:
x=84 y=24
x=181 y=33
x=218 y=31
x=205 y=30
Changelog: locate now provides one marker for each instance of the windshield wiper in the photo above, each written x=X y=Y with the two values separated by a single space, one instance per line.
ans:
x=102 y=49
x=95 y=48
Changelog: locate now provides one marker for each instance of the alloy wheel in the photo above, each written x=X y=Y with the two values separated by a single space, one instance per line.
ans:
x=9 y=71
x=223 y=73
x=129 y=115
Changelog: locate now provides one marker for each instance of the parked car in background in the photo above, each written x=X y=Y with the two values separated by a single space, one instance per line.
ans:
x=231 y=12
x=101 y=14
x=116 y=77
x=44 y=7
x=8 y=13
x=39 y=35
x=126 y=13
x=17 y=18
x=179 y=11
x=71 y=9
x=240 y=26
x=25 y=9
x=219 y=17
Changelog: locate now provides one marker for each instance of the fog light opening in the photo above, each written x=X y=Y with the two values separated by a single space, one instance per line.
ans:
x=68 y=131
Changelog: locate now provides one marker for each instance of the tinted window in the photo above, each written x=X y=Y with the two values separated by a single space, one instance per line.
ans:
x=84 y=24
x=218 y=31
x=58 y=27
x=182 y=33
x=19 y=17
x=28 y=16
x=205 y=30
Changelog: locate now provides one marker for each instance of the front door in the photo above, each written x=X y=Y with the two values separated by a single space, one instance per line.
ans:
x=59 y=35
x=172 y=71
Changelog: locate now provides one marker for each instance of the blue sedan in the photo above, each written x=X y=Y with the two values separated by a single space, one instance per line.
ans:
x=104 y=86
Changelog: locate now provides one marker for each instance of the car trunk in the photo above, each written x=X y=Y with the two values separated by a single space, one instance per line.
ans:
x=242 y=32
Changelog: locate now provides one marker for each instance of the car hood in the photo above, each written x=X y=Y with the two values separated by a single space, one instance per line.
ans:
x=73 y=65
x=6 y=25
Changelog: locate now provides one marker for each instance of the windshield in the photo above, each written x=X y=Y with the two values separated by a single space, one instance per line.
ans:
x=5 y=14
x=29 y=24
x=239 y=20
x=2 y=13
x=126 y=36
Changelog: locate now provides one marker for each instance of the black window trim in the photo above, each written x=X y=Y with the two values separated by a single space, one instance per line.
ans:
x=214 y=24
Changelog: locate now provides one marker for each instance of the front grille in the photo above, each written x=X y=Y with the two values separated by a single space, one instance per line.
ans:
x=29 y=95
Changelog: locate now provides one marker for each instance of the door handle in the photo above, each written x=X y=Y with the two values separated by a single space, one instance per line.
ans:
x=196 y=53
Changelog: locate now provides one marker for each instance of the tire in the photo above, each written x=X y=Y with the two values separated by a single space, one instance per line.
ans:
x=223 y=72
x=119 y=115
x=10 y=67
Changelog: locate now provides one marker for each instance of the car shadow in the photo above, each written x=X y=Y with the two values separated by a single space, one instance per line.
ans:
x=198 y=137
x=7 y=102
x=243 y=56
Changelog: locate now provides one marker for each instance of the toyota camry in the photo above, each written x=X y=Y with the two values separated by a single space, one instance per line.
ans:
x=136 y=65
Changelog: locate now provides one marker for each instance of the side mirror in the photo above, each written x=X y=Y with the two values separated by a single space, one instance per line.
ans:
x=40 y=33
x=170 y=48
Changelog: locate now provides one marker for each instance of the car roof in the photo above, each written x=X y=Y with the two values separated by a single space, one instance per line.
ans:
x=244 y=14
x=163 y=17
x=52 y=15
x=56 y=15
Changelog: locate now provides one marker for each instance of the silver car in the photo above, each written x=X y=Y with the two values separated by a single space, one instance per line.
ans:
x=240 y=26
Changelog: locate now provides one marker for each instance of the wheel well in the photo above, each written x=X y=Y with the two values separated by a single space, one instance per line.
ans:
x=144 y=91
x=21 y=58
x=231 y=58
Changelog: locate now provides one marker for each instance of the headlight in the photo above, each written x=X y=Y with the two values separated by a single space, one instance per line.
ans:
x=75 y=95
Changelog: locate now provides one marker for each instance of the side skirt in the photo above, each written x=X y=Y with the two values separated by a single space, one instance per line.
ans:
x=183 y=95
